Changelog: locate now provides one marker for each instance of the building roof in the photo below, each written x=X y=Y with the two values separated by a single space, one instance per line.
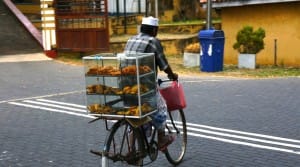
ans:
x=232 y=3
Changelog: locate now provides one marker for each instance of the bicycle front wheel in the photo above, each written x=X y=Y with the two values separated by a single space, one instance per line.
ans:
x=124 y=146
x=176 y=126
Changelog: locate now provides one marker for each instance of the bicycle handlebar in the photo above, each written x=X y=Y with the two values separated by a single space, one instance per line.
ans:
x=160 y=81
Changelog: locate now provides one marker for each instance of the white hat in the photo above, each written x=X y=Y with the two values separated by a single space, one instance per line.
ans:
x=151 y=21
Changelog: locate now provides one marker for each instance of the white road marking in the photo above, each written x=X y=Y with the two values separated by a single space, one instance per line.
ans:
x=62 y=103
x=54 y=105
x=51 y=109
x=243 y=133
x=44 y=96
x=198 y=126
x=242 y=137
x=245 y=143
x=197 y=130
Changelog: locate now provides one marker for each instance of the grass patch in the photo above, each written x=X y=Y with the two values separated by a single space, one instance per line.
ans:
x=70 y=58
x=234 y=71
x=262 y=71
x=228 y=70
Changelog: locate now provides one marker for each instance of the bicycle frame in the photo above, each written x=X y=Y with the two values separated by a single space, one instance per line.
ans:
x=150 y=143
x=128 y=142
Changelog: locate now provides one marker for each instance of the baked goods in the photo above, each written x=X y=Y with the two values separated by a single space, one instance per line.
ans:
x=146 y=108
x=131 y=111
x=132 y=70
x=105 y=70
x=103 y=89
x=134 y=110
x=109 y=70
x=118 y=86
x=100 y=109
x=134 y=89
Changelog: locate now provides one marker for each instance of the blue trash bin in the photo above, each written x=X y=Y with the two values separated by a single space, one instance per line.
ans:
x=212 y=50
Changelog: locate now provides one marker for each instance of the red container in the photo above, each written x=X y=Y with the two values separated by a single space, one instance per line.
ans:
x=174 y=96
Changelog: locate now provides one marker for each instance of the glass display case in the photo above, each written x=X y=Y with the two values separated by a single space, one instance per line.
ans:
x=120 y=85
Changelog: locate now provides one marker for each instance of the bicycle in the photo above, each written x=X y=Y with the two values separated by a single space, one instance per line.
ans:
x=127 y=141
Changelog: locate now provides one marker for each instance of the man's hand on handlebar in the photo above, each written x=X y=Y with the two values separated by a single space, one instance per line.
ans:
x=173 y=76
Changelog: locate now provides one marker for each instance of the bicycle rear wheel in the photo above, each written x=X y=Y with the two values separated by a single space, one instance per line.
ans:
x=124 y=146
x=176 y=125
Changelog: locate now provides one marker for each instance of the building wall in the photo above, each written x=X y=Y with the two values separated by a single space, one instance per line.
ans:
x=281 y=22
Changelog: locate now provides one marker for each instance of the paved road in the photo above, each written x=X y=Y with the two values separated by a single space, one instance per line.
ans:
x=231 y=121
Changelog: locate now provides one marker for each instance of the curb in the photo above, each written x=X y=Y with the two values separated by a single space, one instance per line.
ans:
x=24 y=58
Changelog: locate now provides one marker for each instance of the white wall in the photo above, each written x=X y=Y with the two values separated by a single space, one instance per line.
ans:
x=131 y=6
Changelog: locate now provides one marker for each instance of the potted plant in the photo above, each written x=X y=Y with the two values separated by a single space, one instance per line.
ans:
x=248 y=44
x=191 y=55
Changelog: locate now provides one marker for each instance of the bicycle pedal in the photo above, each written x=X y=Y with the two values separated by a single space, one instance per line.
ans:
x=133 y=157
x=163 y=149
x=96 y=152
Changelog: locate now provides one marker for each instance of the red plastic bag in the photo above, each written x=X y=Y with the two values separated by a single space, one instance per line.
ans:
x=174 y=96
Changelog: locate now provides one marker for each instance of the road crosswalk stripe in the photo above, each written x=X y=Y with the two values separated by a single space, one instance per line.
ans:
x=197 y=130
x=62 y=103
x=234 y=136
x=54 y=105
x=243 y=137
x=252 y=142
x=243 y=133
x=245 y=143
x=51 y=109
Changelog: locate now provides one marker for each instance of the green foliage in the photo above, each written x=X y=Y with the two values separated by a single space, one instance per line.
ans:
x=250 y=41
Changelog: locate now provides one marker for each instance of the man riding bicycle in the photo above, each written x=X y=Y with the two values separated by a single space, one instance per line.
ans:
x=146 y=42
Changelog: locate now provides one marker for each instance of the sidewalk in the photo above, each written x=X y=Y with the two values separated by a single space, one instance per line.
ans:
x=24 y=57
